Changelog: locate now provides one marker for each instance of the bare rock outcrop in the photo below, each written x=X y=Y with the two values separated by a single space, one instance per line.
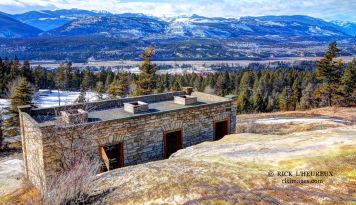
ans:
x=243 y=168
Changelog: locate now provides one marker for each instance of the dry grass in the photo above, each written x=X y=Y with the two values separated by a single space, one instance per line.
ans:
x=246 y=124
x=343 y=113
x=27 y=193
x=281 y=129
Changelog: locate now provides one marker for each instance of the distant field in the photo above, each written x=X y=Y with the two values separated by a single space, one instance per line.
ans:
x=54 y=64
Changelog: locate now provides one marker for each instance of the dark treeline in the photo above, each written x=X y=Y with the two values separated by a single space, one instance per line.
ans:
x=259 y=88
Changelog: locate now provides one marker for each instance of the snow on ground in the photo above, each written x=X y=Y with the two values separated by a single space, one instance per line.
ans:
x=4 y=103
x=10 y=175
x=50 y=98
x=297 y=120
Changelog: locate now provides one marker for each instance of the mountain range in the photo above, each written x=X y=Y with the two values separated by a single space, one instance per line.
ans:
x=75 y=22
x=80 y=35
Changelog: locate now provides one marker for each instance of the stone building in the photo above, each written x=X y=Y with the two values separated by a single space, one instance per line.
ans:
x=124 y=131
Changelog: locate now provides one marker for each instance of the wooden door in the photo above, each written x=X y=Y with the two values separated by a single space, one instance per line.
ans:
x=221 y=129
x=172 y=143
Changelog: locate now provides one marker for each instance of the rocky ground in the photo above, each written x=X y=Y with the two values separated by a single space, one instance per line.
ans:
x=243 y=168
x=10 y=172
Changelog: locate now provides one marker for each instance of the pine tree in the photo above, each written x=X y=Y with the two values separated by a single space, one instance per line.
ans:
x=296 y=93
x=244 y=104
x=199 y=84
x=160 y=86
x=329 y=73
x=119 y=87
x=88 y=79
x=285 y=99
x=15 y=70
x=109 y=79
x=220 y=88
x=147 y=82
x=62 y=78
x=100 y=89
x=258 y=102
x=81 y=98
x=348 y=81
x=22 y=96
x=307 y=101
x=176 y=86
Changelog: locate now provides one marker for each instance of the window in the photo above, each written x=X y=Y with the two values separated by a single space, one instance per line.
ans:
x=172 y=142
x=221 y=128
x=112 y=156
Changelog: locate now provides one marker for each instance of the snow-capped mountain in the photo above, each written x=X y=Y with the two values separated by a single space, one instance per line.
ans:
x=75 y=22
x=119 y=26
x=47 y=19
x=139 y=25
x=349 y=27
x=11 y=28
x=199 y=26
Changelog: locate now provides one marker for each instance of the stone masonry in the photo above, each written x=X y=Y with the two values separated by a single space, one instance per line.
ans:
x=44 y=132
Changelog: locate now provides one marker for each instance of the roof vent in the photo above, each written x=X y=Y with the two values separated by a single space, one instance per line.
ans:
x=75 y=116
x=185 y=99
x=136 y=107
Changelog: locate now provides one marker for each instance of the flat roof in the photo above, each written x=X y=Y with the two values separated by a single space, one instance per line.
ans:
x=114 y=113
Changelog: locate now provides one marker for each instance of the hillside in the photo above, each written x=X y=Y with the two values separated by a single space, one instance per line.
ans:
x=111 y=26
x=11 y=28
x=235 y=170
x=47 y=19
x=267 y=27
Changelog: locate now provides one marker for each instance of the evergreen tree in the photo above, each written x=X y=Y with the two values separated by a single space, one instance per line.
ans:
x=22 y=96
x=244 y=104
x=349 y=84
x=199 y=84
x=109 y=79
x=220 y=86
x=296 y=93
x=329 y=73
x=285 y=99
x=62 y=78
x=15 y=70
x=258 y=102
x=119 y=87
x=26 y=71
x=81 y=98
x=176 y=86
x=147 y=82
x=88 y=79
x=160 y=86
x=307 y=100
x=100 y=89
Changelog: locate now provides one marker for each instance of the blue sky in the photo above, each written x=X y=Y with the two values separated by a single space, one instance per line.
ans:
x=325 y=9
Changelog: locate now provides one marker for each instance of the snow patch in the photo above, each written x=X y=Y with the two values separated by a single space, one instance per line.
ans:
x=297 y=120
x=50 y=98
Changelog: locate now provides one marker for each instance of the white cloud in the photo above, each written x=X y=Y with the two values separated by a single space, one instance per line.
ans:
x=327 y=9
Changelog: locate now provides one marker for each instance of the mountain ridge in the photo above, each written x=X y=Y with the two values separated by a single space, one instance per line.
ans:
x=51 y=22
x=11 y=28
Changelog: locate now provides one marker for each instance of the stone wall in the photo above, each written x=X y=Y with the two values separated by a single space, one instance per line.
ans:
x=142 y=136
x=32 y=148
